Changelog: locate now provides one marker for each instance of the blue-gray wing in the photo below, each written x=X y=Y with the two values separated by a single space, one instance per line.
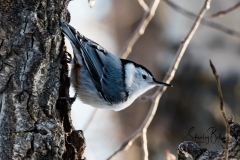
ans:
x=105 y=68
x=112 y=80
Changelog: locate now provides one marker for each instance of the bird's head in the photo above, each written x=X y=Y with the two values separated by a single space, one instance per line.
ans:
x=139 y=79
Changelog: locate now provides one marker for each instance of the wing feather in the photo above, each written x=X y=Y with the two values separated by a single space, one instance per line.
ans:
x=105 y=68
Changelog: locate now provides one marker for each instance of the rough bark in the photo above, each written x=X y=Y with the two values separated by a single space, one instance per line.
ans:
x=34 y=123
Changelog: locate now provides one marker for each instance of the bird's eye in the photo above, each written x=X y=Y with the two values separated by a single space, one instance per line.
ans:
x=144 y=76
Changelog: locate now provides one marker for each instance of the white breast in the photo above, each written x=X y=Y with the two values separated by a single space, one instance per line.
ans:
x=132 y=86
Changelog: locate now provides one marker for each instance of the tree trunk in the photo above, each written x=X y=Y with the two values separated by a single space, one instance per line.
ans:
x=34 y=122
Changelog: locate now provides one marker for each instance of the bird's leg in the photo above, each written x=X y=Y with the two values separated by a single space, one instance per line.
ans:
x=68 y=57
x=70 y=99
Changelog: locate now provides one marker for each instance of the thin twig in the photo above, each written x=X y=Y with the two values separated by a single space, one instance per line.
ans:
x=169 y=76
x=148 y=15
x=144 y=145
x=90 y=120
x=204 y=21
x=144 y=5
x=221 y=106
x=221 y=13
x=126 y=144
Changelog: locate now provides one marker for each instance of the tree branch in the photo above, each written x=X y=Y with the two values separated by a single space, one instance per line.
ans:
x=221 y=106
x=204 y=21
x=148 y=15
x=143 y=5
x=144 y=145
x=126 y=144
x=221 y=13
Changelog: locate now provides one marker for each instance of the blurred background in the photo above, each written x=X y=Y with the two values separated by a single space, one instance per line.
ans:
x=192 y=102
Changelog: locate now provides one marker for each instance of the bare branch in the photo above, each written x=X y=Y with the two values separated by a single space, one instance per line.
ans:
x=169 y=76
x=172 y=70
x=221 y=13
x=126 y=144
x=144 y=145
x=144 y=5
x=221 y=106
x=219 y=91
x=204 y=21
x=148 y=15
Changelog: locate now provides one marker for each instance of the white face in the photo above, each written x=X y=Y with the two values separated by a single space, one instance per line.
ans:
x=138 y=81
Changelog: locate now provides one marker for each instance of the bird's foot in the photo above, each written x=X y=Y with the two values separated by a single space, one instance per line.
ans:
x=70 y=99
x=68 y=57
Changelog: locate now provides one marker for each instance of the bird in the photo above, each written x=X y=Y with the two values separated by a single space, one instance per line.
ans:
x=103 y=80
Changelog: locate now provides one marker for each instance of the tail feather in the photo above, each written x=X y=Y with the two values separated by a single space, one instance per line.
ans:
x=70 y=33
x=76 y=41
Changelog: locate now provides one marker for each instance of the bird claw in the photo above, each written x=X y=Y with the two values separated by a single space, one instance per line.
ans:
x=68 y=57
x=71 y=100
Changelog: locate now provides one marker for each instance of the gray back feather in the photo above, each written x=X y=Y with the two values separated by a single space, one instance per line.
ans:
x=112 y=79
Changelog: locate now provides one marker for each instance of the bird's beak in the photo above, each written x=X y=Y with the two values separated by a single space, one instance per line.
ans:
x=161 y=83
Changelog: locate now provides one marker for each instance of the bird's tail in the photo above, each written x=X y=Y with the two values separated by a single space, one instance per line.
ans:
x=71 y=34
x=76 y=40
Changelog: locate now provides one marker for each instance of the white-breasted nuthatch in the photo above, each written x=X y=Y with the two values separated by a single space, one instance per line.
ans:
x=103 y=80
